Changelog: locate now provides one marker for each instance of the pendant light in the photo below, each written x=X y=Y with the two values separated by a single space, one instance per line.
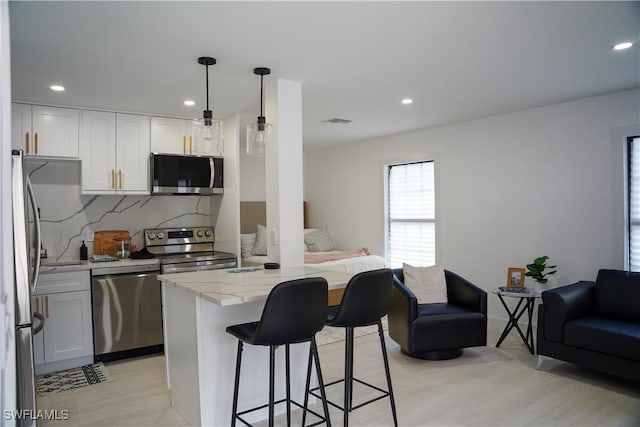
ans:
x=259 y=134
x=207 y=131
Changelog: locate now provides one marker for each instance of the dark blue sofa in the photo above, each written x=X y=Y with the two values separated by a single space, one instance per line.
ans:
x=594 y=324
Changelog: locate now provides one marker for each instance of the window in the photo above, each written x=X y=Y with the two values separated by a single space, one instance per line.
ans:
x=411 y=214
x=633 y=203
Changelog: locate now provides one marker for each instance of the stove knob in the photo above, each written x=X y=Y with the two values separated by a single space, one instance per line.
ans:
x=151 y=236
x=199 y=233
x=160 y=235
x=207 y=233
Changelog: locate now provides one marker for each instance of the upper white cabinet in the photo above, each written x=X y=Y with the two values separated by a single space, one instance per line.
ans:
x=171 y=136
x=175 y=136
x=114 y=153
x=21 y=135
x=45 y=131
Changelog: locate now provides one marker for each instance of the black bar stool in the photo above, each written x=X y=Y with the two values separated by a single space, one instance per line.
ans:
x=293 y=313
x=367 y=298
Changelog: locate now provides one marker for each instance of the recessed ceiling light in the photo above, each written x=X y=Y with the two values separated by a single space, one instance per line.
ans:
x=189 y=103
x=57 y=88
x=407 y=101
x=623 y=46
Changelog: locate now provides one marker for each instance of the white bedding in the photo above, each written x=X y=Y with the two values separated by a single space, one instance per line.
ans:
x=349 y=265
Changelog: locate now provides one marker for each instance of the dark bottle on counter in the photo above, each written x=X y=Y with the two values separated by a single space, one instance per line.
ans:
x=83 y=252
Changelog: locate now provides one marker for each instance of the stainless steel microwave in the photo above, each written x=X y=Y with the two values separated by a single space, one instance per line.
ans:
x=185 y=175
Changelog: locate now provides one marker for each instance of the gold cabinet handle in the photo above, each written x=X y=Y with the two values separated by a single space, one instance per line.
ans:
x=35 y=138
x=113 y=178
x=26 y=137
x=190 y=145
x=46 y=306
x=120 y=177
x=184 y=144
x=37 y=305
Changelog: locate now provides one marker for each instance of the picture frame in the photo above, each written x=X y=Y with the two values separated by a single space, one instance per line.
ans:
x=515 y=277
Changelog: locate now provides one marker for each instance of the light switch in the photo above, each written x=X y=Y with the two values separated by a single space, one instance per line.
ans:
x=90 y=234
x=274 y=236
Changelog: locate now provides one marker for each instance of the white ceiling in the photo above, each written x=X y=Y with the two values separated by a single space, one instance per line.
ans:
x=355 y=60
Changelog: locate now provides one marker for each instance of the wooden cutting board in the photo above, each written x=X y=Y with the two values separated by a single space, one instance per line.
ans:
x=103 y=241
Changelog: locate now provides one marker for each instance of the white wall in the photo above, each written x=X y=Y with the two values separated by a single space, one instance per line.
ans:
x=545 y=181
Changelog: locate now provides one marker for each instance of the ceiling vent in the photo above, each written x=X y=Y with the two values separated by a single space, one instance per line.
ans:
x=338 y=121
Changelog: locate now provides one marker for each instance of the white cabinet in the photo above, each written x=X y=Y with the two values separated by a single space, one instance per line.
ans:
x=21 y=135
x=115 y=153
x=45 y=131
x=171 y=136
x=66 y=341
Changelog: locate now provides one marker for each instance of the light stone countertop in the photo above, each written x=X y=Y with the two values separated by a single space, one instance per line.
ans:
x=224 y=287
x=59 y=267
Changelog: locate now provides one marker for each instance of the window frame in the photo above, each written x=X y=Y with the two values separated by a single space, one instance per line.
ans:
x=386 y=167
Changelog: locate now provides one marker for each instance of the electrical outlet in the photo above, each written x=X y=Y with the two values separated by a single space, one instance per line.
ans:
x=90 y=234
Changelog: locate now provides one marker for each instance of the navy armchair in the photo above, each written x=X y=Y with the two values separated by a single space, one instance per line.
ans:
x=438 y=331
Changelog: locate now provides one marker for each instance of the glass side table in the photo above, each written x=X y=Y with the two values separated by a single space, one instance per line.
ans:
x=526 y=304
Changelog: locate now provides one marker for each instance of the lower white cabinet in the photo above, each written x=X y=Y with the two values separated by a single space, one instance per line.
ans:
x=66 y=341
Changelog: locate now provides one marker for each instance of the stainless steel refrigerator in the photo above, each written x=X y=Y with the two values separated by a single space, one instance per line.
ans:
x=26 y=249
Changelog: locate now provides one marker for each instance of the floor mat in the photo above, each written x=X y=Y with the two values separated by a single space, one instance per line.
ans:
x=70 y=379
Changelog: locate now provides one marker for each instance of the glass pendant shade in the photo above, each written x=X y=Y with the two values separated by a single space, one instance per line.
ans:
x=258 y=136
x=207 y=136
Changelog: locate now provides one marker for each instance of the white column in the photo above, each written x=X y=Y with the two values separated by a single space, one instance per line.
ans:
x=283 y=167
x=225 y=209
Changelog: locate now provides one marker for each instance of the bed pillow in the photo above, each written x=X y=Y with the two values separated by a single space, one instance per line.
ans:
x=427 y=283
x=319 y=240
x=307 y=231
x=246 y=244
x=260 y=245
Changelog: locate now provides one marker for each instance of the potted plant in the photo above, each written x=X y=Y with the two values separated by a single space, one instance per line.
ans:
x=537 y=269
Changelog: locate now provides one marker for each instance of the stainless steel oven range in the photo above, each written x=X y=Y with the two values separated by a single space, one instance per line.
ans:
x=186 y=249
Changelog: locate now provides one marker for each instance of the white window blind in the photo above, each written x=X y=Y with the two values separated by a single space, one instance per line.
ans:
x=411 y=233
x=634 y=203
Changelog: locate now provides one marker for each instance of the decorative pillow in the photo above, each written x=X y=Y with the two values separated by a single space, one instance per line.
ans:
x=307 y=231
x=260 y=245
x=427 y=283
x=319 y=240
x=246 y=244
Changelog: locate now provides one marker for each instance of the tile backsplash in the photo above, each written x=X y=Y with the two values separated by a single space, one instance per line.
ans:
x=66 y=215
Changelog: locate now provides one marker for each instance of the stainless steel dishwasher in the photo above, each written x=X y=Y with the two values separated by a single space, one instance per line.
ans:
x=127 y=312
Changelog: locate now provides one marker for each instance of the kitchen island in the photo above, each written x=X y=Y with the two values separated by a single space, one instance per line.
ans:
x=201 y=356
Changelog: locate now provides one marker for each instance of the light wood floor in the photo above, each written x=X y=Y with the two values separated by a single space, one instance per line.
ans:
x=487 y=386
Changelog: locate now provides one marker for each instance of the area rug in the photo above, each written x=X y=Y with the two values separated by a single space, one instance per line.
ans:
x=329 y=335
x=70 y=379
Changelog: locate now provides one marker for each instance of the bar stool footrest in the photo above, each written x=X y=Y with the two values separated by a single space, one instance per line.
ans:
x=385 y=393
x=257 y=408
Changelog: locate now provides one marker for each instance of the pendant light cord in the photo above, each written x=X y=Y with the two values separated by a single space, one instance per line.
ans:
x=207 y=80
x=261 y=90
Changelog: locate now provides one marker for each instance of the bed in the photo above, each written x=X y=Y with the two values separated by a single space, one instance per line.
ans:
x=319 y=252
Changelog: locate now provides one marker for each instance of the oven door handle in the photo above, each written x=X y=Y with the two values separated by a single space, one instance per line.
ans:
x=196 y=266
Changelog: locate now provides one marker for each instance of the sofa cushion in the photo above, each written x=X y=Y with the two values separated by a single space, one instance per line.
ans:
x=602 y=335
x=617 y=294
